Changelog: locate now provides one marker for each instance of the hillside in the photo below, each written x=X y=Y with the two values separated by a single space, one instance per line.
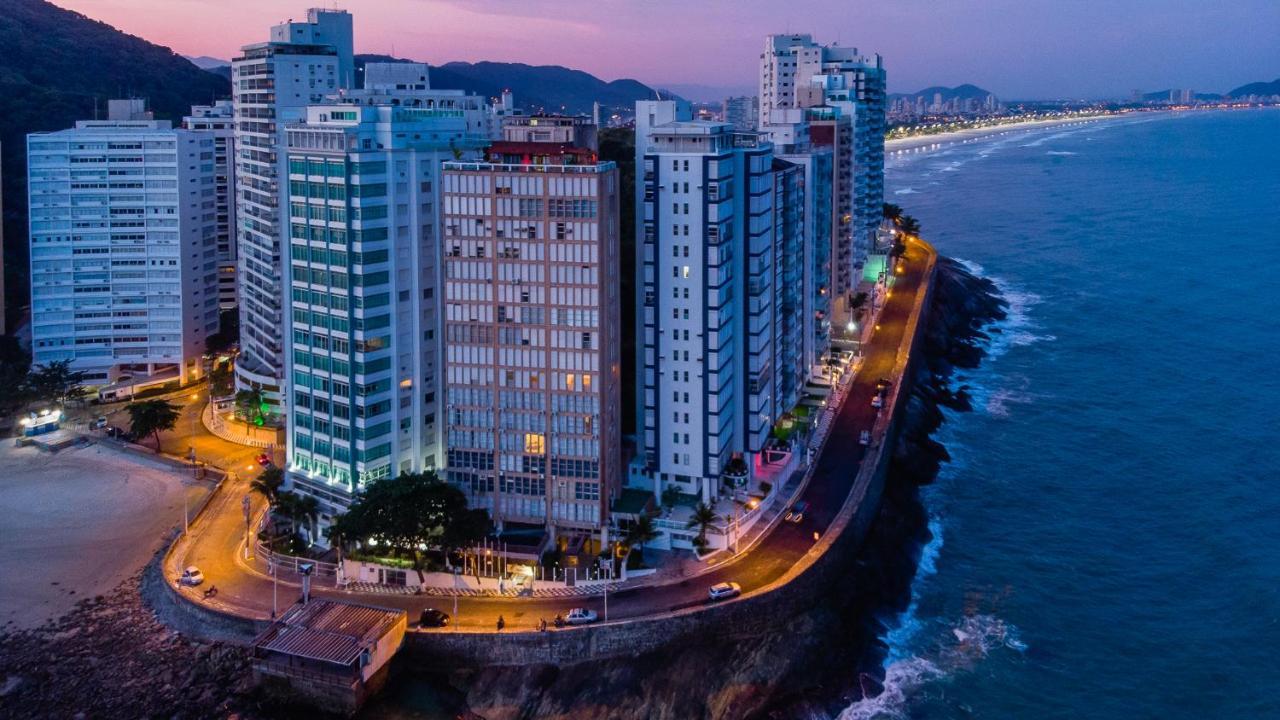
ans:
x=1257 y=88
x=549 y=88
x=962 y=92
x=56 y=64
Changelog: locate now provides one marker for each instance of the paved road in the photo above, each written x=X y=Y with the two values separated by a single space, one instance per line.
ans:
x=218 y=550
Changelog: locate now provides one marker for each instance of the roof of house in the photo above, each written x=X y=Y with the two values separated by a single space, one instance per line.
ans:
x=328 y=631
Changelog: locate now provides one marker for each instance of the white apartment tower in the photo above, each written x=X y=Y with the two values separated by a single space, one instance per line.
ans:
x=272 y=84
x=532 y=330
x=706 y=294
x=218 y=119
x=845 y=93
x=362 y=278
x=124 y=258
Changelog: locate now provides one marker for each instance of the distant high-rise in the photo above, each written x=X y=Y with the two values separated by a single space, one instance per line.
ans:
x=218 y=119
x=273 y=82
x=532 y=328
x=123 y=246
x=796 y=72
x=742 y=112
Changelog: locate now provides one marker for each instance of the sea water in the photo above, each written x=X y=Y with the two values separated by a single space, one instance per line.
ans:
x=1111 y=514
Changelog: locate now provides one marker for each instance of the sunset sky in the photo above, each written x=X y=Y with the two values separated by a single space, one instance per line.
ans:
x=1015 y=48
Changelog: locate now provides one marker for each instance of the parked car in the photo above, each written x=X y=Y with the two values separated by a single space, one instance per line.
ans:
x=581 y=616
x=264 y=459
x=877 y=401
x=433 y=618
x=796 y=513
x=724 y=590
x=99 y=422
x=191 y=576
x=864 y=438
x=120 y=434
x=883 y=384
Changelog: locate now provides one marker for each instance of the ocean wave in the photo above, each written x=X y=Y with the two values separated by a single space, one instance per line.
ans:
x=1060 y=152
x=906 y=191
x=959 y=647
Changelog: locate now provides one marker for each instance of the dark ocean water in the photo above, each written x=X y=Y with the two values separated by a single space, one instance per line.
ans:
x=1107 y=539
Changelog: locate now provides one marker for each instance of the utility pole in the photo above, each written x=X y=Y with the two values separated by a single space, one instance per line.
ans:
x=248 y=533
x=606 y=601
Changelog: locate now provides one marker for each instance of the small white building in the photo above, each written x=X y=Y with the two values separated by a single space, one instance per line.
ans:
x=123 y=248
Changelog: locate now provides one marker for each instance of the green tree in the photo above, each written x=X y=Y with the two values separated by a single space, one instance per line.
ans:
x=299 y=510
x=670 y=496
x=14 y=364
x=411 y=513
x=55 y=382
x=249 y=405
x=641 y=531
x=152 y=417
x=892 y=212
x=268 y=483
x=702 y=518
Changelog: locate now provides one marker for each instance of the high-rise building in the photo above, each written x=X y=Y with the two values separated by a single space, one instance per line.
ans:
x=707 y=289
x=569 y=130
x=123 y=246
x=742 y=112
x=272 y=84
x=218 y=119
x=796 y=72
x=532 y=330
x=363 y=279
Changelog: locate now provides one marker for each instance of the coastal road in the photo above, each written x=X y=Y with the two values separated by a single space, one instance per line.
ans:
x=217 y=544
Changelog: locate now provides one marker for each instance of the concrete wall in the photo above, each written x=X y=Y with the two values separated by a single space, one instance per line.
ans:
x=750 y=615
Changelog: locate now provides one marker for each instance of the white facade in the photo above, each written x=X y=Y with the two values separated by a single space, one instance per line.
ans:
x=218 y=120
x=272 y=84
x=123 y=246
x=705 y=297
x=363 y=317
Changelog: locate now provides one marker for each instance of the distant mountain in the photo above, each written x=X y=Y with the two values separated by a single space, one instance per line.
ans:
x=1257 y=88
x=962 y=92
x=549 y=88
x=204 y=62
x=57 y=66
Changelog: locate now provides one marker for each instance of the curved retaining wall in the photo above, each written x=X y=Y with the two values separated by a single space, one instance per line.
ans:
x=748 y=616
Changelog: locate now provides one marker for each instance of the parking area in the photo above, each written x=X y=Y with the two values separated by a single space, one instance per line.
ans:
x=78 y=522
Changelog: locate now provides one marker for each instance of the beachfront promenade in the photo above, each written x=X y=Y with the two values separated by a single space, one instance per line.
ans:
x=216 y=542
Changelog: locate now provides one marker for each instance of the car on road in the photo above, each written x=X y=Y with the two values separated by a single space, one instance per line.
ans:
x=191 y=576
x=864 y=438
x=877 y=401
x=883 y=384
x=120 y=434
x=581 y=616
x=433 y=618
x=264 y=459
x=796 y=513
x=99 y=422
x=724 y=590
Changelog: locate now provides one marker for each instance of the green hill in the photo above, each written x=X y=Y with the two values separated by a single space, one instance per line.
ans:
x=56 y=66
x=1264 y=89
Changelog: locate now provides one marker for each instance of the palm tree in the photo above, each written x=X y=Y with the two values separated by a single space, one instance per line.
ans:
x=299 y=510
x=268 y=483
x=641 y=532
x=702 y=518
x=249 y=404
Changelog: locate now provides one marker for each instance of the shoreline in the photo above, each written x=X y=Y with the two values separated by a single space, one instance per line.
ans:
x=937 y=140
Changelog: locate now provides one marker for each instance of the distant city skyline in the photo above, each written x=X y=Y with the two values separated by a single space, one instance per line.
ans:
x=1014 y=48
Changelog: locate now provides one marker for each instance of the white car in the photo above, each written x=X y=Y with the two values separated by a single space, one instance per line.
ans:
x=877 y=401
x=581 y=616
x=191 y=576
x=724 y=590
x=864 y=438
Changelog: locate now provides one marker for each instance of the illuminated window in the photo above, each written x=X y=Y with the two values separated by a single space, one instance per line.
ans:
x=686 y=271
x=568 y=381
x=534 y=443
x=586 y=382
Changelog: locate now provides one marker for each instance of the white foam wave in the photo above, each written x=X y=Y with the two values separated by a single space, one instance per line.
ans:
x=906 y=191
x=1060 y=152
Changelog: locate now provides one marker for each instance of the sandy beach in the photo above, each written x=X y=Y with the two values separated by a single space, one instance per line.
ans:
x=960 y=136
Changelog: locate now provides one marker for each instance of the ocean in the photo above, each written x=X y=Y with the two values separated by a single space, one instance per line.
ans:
x=1106 y=539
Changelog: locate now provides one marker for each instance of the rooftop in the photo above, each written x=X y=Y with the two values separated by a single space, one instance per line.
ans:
x=328 y=631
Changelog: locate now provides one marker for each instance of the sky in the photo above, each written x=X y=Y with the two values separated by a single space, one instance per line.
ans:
x=1018 y=49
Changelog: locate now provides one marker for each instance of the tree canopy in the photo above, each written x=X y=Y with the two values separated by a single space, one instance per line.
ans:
x=152 y=417
x=411 y=513
x=55 y=382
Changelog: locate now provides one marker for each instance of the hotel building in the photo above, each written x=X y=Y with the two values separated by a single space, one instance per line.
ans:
x=123 y=246
x=532 y=328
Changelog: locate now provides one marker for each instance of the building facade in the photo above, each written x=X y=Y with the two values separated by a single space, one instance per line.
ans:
x=706 y=294
x=123 y=235
x=742 y=112
x=363 y=277
x=273 y=83
x=533 y=332
x=218 y=119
